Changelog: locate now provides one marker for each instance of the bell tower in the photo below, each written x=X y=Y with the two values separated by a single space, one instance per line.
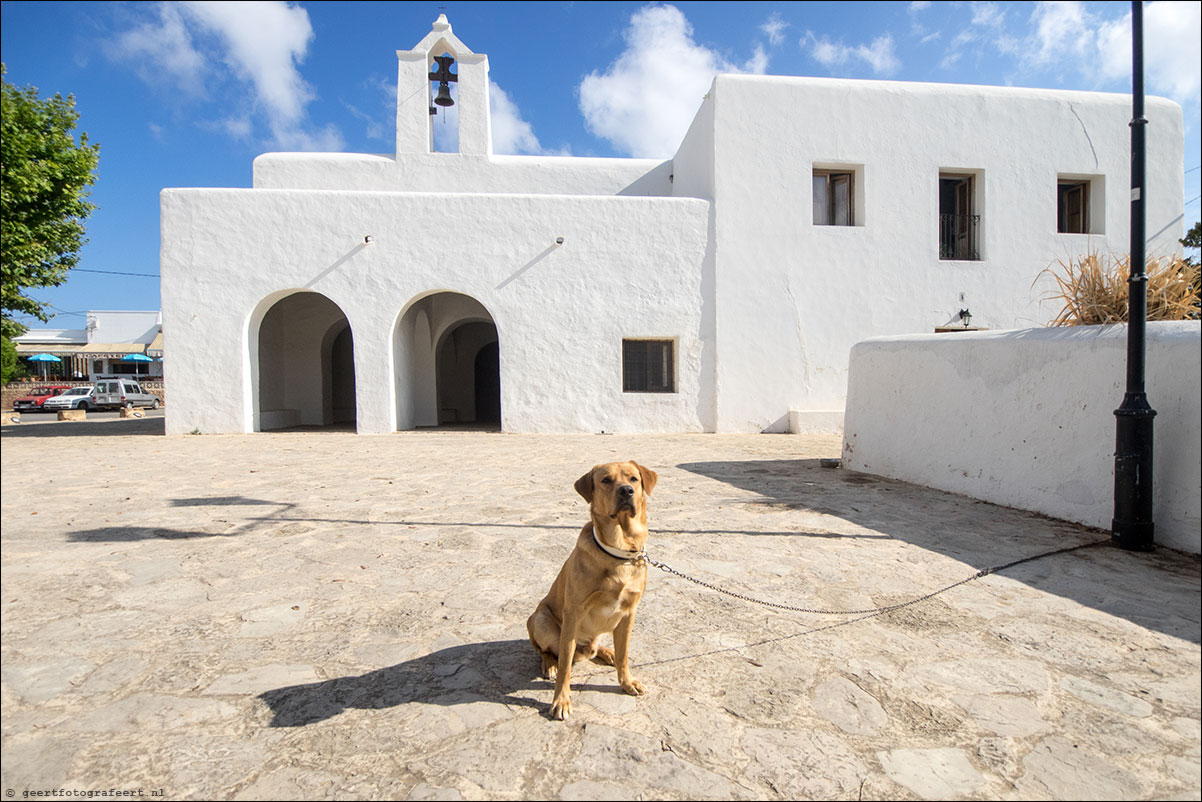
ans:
x=424 y=75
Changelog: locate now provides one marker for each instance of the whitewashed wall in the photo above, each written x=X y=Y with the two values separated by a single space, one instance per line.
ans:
x=792 y=298
x=453 y=172
x=123 y=327
x=1026 y=419
x=714 y=249
x=628 y=267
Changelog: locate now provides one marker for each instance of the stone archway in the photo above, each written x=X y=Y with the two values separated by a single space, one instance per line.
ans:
x=448 y=365
x=304 y=366
x=469 y=382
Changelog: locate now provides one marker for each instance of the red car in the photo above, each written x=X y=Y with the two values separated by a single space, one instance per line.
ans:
x=33 y=402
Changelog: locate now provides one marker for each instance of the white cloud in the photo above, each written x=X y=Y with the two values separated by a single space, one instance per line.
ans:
x=774 y=29
x=1068 y=36
x=645 y=100
x=373 y=128
x=1172 y=49
x=878 y=55
x=238 y=127
x=162 y=49
x=1060 y=29
x=260 y=45
x=988 y=14
x=264 y=42
x=511 y=134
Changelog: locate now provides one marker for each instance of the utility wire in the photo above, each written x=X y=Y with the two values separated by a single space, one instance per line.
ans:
x=115 y=273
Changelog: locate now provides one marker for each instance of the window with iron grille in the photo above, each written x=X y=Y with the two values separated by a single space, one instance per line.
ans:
x=648 y=366
x=959 y=221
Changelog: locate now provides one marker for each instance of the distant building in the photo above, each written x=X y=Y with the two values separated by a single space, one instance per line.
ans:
x=719 y=291
x=113 y=343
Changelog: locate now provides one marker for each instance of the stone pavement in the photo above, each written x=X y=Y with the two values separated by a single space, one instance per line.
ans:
x=326 y=616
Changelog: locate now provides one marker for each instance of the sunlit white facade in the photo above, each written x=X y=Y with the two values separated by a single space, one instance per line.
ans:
x=720 y=290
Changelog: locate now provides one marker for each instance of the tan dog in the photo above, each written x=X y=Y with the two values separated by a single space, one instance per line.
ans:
x=600 y=584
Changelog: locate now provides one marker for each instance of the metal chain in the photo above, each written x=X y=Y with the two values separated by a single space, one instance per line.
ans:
x=886 y=608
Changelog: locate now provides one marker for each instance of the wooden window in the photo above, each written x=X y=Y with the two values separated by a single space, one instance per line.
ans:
x=834 y=194
x=1072 y=207
x=648 y=366
x=959 y=224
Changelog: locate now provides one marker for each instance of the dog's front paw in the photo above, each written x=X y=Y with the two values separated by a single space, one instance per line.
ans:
x=634 y=687
x=561 y=708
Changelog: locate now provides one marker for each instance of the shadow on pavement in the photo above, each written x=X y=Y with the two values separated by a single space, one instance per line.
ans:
x=1107 y=579
x=84 y=428
x=493 y=671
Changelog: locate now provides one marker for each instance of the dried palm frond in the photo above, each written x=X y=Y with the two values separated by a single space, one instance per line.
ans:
x=1094 y=289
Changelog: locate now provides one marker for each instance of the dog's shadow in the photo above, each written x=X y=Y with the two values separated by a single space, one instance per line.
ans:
x=494 y=671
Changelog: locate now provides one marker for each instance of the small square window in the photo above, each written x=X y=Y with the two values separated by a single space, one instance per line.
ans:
x=834 y=198
x=1072 y=207
x=648 y=366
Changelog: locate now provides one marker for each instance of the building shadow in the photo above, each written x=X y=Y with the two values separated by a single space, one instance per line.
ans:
x=111 y=428
x=345 y=427
x=496 y=672
x=983 y=536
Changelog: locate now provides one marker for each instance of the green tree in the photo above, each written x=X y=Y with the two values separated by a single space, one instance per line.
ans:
x=46 y=176
x=1193 y=242
x=9 y=364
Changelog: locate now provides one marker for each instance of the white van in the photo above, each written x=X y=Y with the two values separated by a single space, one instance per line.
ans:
x=114 y=393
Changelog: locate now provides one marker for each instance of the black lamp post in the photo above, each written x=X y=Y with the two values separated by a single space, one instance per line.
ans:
x=1132 y=527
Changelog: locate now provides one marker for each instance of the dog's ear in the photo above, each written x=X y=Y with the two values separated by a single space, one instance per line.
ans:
x=650 y=477
x=584 y=486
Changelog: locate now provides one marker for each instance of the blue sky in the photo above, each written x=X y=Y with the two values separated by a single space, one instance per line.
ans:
x=187 y=94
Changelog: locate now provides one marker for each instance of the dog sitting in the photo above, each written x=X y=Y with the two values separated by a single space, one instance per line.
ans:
x=600 y=584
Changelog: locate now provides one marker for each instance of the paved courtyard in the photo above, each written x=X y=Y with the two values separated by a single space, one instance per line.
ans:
x=314 y=615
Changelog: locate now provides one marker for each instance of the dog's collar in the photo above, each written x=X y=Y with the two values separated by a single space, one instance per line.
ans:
x=618 y=554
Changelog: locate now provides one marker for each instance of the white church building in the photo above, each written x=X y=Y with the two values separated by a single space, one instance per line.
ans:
x=718 y=291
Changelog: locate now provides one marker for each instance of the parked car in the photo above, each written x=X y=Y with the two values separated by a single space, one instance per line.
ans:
x=114 y=393
x=34 y=401
x=75 y=398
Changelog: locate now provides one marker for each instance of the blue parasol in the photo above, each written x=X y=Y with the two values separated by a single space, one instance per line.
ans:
x=44 y=358
x=138 y=358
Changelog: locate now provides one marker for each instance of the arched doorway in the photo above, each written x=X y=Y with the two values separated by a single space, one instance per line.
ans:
x=469 y=381
x=488 y=383
x=448 y=364
x=304 y=367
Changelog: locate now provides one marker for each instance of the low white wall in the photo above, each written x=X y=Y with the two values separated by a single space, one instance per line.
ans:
x=1025 y=419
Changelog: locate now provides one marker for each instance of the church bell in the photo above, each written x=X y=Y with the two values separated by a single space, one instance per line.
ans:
x=444 y=75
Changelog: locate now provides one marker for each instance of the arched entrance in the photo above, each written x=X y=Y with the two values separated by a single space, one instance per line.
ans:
x=448 y=364
x=304 y=367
